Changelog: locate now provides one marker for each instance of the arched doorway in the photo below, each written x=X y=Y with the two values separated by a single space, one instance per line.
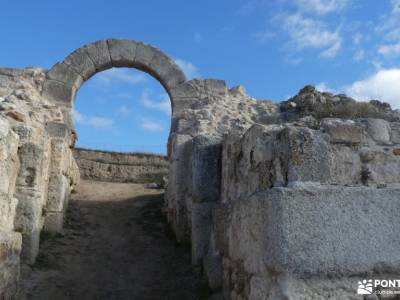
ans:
x=61 y=86
x=66 y=77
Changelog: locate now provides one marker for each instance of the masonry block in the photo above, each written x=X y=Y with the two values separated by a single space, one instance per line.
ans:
x=206 y=166
x=122 y=52
x=59 y=92
x=57 y=130
x=319 y=230
x=53 y=222
x=58 y=193
x=80 y=61
x=201 y=230
x=99 y=54
x=64 y=73
x=10 y=247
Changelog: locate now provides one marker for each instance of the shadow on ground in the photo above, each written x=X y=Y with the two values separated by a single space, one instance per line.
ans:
x=116 y=249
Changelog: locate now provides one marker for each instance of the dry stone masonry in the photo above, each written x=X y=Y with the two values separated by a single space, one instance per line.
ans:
x=291 y=200
x=120 y=167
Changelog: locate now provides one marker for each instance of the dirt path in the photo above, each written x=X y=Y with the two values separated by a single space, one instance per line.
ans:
x=115 y=246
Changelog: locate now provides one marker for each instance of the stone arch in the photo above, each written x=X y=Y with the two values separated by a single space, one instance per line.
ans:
x=65 y=78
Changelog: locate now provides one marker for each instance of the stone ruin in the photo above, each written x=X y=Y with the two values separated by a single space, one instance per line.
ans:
x=111 y=166
x=291 y=200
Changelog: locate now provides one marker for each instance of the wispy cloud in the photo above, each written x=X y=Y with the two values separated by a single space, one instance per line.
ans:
x=307 y=33
x=321 y=7
x=389 y=27
x=357 y=38
x=92 y=121
x=391 y=50
x=163 y=102
x=151 y=125
x=188 y=68
x=107 y=77
x=359 y=55
x=124 y=110
x=249 y=6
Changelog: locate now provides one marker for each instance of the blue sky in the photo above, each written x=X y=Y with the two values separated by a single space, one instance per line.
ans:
x=272 y=47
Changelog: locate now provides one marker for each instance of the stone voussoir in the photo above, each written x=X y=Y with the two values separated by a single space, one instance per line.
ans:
x=122 y=52
x=66 y=74
x=99 y=54
x=80 y=61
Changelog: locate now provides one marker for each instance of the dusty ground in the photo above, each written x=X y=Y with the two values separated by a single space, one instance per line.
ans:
x=115 y=246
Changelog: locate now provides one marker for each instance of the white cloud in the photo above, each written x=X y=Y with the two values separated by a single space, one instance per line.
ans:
x=383 y=85
x=389 y=50
x=92 y=121
x=151 y=125
x=107 y=77
x=308 y=33
x=321 y=7
x=323 y=87
x=163 y=104
x=188 y=68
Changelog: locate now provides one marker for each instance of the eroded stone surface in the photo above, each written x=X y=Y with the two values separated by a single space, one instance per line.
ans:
x=275 y=198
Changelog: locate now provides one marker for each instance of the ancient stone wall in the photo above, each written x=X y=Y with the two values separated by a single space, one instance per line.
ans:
x=120 y=167
x=291 y=200
x=37 y=170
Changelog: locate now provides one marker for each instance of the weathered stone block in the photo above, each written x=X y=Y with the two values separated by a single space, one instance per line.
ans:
x=206 y=166
x=53 y=222
x=30 y=246
x=64 y=73
x=220 y=223
x=28 y=221
x=10 y=247
x=359 y=232
x=8 y=205
x=216 y=87
x=378 y=129
x=213 y=269
x=59 y=92
x=179 y=184
x=184 y=91
x=57 y=130
x=31 y=169
x=306 y=154
x=144 y=55
x=381 y=165
x=9 y=162
x=342 y=131
x=395 y=132
x=59 y=159
x=201 y=230
x=81 y=63
x=31 y=191
x=99 y=54
x=58 y=193
x=122 y=52
x=165 y=69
